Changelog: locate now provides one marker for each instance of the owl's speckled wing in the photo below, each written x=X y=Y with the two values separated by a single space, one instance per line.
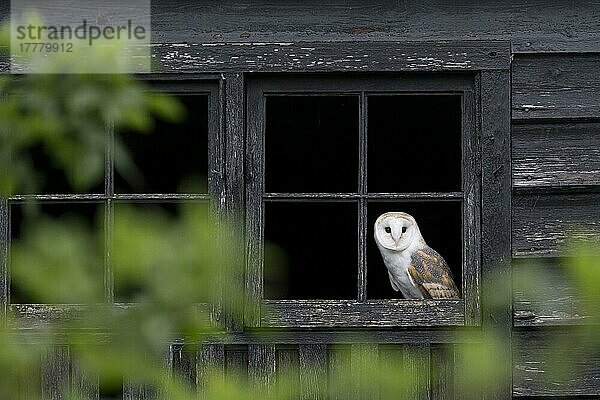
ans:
x=431 y=274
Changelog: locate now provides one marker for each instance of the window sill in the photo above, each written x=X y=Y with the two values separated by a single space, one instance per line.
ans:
x=369 y=314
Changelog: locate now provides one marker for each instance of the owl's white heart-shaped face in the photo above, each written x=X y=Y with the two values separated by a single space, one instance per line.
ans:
x=396 y=231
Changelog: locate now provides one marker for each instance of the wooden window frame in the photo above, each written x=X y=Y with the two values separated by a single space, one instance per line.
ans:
x=33 y=315
x=478 y=105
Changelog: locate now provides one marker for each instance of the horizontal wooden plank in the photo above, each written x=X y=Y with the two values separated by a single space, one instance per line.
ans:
x=543 y=224
x=330 y=56
x=532 y=26
x=537 y=353
x=557 y=155
x=544 y=295
x=556 y=86
x=35 y=316
x=350 y=313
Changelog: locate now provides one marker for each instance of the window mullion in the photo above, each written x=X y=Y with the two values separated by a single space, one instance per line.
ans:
x=362 y=203
x=109 y=190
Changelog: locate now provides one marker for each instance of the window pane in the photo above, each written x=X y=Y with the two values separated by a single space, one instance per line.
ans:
x=161 y=248
x=414 y=143
x=440 y=224
x=56 y=253
x=171 y=153
x=311 y=144
x=316 y=256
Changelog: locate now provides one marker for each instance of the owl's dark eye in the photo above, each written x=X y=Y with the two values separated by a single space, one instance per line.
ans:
x=388 y=229
x=403 y=229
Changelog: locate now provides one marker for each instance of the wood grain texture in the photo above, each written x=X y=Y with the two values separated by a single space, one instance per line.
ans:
x=559 y=155
x=212 y=359
x=288 y=373
x=56 y=373
x=331 y=56
x=442 y=372
x=84 y=386
x=496 y=218
x=350 y=313
x=556 y=86
x=543 y=224
x=236 y=364
x=414 y=362
x=364 y=358
x=183 y=363
x=339 y=372
x=534 y=363
x=545 y=295
x=233 y=97
x=261 y=369
x=4 y=243
x=313 y=371
x=532 y=26
x=471 y=275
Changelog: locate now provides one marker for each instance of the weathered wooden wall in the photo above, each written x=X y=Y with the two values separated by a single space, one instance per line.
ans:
x=555 y=160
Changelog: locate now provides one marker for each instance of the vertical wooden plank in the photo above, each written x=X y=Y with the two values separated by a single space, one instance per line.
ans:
x=362 y=203
x=471 y=208
x=4 y=243
x=254 y=204
x=55 y=373
x=364 y=358
x=313 y=371
x=210 y=360
x=442 y=372
x=109 y=190
x=82 y=385
x=183 y=363
x=233 y=96
x=340 y=373
x=261 y=369
x=496 y=297
x=134 y=391
x=288 y=377
x=236 y=365
x=412 y=364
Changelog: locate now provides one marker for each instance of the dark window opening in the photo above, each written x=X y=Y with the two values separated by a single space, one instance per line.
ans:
x=155 y=229
x=440 y=224
x=173 y=158
x=311 y=144
x=317 y=257
x=51 y=179
x=65 y=254
x=414 y=143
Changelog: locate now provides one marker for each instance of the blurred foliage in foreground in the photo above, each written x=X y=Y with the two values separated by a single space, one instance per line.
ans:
x=179 y=269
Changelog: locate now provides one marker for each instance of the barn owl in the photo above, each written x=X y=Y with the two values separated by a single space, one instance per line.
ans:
x=415 y=269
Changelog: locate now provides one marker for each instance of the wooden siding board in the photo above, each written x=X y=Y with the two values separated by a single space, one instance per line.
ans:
x=339 y=372
x=351 y=313
x=183 y=363
x=496 y=216
x=532 y=362
x=261 y=368
x=556 y=86
x=313 y=371
x=213 y=359
x=552 y=299
x=55 y=373
x=288 y=375
x=441 y=372
x=556 y=155
x=544 y=223
x=532 y=26
x=331 y=56
x=233 y=97
x=363 y=358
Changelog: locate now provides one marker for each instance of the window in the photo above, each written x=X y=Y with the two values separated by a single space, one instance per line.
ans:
x=329 y=154
x=177 y=163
